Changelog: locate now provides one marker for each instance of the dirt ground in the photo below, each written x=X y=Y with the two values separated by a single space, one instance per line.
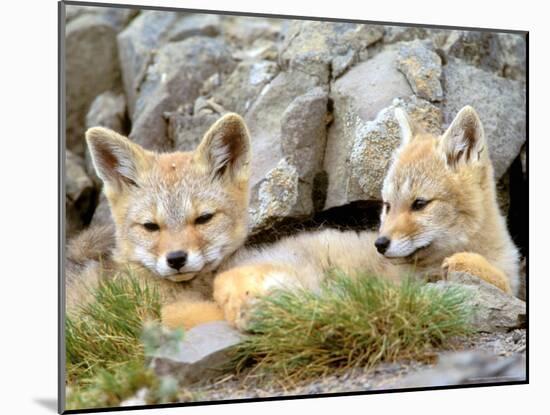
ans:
x=495 y=357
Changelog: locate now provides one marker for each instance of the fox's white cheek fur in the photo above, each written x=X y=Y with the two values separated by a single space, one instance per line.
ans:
x=162 y=268
x=195 y=262
x=406 y=246
x=144 y=257
x=400 y=248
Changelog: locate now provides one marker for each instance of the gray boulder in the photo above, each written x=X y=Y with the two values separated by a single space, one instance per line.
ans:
x=235 y=93
x=394 y=34
x=493 y=309
x=137 y=46
x=118 y=16
x=248 y=30
x=325 y=49
x=194 y=25
x=364 y=134
x=199 y=356
x=174 y=80
x=288 y=117
x=239 y=90
x=149 y=32
x=187 y=130
x=422 y=67
x=275 y=197
x=501 y=53
x=469 y=367
x=499 y=102
x=108 y=110
x=91 y=67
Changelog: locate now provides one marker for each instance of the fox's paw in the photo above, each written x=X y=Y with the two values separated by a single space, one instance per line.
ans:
x=237 y=289
x=190 y=314
x=475 y=264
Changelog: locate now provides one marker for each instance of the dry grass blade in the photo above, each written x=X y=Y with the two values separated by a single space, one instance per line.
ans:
x=351 y=322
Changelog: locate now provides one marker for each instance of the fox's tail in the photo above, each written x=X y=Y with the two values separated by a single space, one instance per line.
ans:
x=92 y=244
x=84 y=255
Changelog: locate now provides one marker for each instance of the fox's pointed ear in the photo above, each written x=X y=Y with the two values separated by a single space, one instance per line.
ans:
x=407 y=128
x=225 y=148
x=116 y=159
x=464 y=140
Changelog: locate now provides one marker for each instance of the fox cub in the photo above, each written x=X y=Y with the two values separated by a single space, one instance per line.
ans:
x=178 y=216
x=439 y=215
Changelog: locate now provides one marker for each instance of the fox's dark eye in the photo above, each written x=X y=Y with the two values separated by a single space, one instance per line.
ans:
x=151 y=227
x=202 y=219
x=387 y=207
x=419 y=204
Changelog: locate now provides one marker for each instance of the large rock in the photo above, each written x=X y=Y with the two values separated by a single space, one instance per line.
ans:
x=493 y=309
x=393 y=34
x=200 y=356
x=141 y=40
x=514 y=55
x=235 y=93
x=325 y=49
x=119 y=16
x=137 y=45
x=91 y=66
x=422 y=67
x=247 y=30
x=239 y=90
x=499 y=102
x=501 y=53
x=186 y=130
x=174 y=79
x=469 y=367
x=108 y=110
x=275 y=197
x=80 y=194
x=364 y=133
x=194 y=25
x=287 y=120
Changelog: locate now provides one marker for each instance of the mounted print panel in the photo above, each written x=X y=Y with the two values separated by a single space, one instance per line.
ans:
x=279 y=206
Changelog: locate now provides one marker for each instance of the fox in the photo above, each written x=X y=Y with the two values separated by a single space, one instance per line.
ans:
x=439 y=215
x=177 y=216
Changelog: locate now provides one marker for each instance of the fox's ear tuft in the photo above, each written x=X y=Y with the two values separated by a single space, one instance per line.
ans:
x=407 y=130
x=225 y=148
x=464 y=140
x=116 y=159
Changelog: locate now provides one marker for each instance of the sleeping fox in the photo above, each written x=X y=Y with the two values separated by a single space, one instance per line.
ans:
x=178 y=216
x=440 y=214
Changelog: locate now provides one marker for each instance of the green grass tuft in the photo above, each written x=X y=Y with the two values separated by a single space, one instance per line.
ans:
x=350 y=323
x=104 y=350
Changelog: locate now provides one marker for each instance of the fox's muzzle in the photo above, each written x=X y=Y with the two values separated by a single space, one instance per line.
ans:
x=382 y=243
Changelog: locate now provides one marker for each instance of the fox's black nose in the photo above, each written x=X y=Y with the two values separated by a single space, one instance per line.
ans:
x=176 y=259
x=382 y=244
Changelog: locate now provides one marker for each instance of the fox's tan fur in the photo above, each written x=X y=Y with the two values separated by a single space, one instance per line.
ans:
x=460 y=228
x=171 y=191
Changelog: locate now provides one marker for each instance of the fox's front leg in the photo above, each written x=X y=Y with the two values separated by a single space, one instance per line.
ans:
x=236 y=289
x=476 y=264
